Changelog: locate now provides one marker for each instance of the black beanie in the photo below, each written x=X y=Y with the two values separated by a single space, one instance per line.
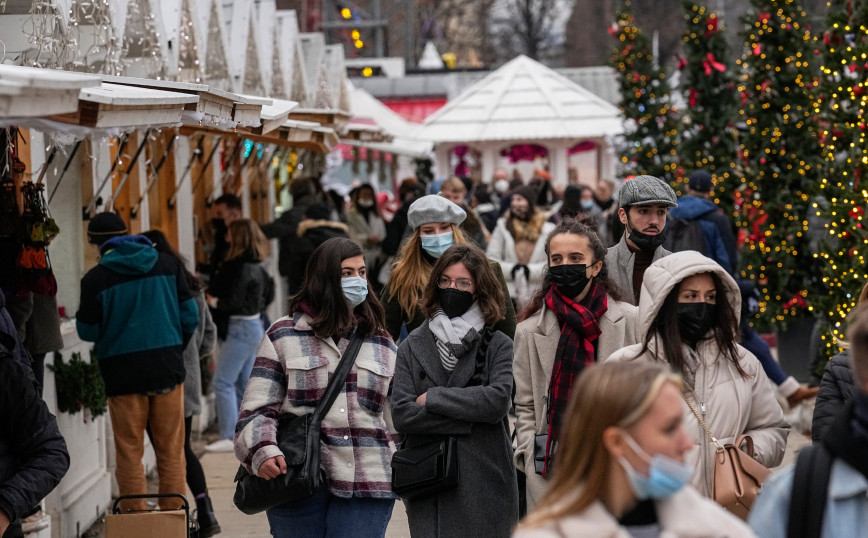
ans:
x=104 y=226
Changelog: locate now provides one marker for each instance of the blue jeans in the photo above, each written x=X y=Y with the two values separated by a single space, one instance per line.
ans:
x=752 y=342
x=237 y=355
x=325 y=516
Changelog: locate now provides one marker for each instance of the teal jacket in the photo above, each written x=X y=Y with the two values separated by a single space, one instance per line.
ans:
x=138 y=309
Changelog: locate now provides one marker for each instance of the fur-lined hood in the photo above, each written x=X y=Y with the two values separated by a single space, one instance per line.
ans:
x=308 y=224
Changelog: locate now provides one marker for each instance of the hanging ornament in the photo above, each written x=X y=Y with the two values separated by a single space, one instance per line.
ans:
x=682 y=62
x=711 y=25
x=693 y=94
x=710 y=62
x=756 y=50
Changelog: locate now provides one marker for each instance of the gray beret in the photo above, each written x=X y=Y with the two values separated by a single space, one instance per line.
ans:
x=434 y=208
x=647 y=190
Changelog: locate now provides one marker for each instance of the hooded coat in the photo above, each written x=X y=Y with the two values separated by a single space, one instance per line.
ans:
x=732 y=404
x=137 y=307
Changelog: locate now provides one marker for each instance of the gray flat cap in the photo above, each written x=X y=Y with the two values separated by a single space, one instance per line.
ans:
x=647 y=190
x=434 y=208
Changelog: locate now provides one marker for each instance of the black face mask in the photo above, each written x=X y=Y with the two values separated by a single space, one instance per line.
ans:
x=647 y=243
x=219 y=226
x=695 y=320
x=570 y=280
x=454 y=302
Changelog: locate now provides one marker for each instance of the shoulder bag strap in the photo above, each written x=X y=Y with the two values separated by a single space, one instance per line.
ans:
x=703 y=424
x=337 y=381
x=809 y=492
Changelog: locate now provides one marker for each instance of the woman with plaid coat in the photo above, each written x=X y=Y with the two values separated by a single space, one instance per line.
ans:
x=295 y=360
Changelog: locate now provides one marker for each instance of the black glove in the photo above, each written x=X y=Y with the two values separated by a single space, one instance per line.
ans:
x=518 y=266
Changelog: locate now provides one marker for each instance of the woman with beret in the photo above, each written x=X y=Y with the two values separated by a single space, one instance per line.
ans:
x=435 y=223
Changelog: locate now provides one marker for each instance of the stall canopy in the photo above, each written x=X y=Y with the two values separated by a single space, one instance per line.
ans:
x=367 y=110
x=31 y=92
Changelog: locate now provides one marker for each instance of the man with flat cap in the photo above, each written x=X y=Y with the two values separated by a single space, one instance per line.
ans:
x=644 y=202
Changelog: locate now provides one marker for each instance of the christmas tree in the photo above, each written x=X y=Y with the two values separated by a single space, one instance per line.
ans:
x=652 y=129
x=779 y=159
x=841 y=99
x=707 y=135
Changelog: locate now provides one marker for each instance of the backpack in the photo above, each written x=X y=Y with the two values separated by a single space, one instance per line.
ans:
x=809 y=493
x=684 y=234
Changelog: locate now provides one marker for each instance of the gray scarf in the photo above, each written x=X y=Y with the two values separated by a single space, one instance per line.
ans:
x=456 y=336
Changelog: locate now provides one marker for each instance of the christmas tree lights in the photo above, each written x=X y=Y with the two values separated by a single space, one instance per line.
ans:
x=708 y=123
x=842 y=102
x=652 y=127
x=779 y=160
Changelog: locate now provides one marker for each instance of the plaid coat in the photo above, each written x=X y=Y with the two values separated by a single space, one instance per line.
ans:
x=289 y=377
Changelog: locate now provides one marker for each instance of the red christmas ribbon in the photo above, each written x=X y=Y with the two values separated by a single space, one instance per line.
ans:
x=709 y=63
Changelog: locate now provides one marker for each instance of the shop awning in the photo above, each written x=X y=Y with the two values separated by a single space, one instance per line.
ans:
x=113 y=105
x=27 y=92
x=215 y=107
x=273 y=115
x=330 y=117
x=247 y=109
x=365 y=133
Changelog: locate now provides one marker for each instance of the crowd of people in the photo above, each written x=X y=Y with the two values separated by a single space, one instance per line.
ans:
x=583 y=374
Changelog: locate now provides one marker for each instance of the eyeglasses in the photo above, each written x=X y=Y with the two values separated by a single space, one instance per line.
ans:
x=463 y=284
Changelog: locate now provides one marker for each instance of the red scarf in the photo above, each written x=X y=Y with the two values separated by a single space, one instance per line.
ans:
x=580 y=328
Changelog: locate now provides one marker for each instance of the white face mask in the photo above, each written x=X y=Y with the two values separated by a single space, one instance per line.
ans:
x=501 y=186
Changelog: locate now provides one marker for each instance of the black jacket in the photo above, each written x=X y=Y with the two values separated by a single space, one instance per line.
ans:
x=311 y=234
x=284 y=229
x=242 y=287
x=33 y=455
x=837 y=389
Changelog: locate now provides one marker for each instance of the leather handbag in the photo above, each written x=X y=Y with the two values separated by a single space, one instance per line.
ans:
x=298 y=438
x=738 y=477
x=426 y=469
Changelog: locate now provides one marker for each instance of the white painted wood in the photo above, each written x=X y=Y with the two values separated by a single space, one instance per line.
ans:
x=121 y=95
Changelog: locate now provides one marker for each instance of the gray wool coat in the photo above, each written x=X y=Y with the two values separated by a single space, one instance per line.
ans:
x=485 y=503
x=200 y=345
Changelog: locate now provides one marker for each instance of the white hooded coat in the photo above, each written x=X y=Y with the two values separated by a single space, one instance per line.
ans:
x=730 y=403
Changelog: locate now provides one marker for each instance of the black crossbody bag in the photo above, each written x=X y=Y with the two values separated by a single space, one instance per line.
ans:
x=298 y=438
x=432 y=468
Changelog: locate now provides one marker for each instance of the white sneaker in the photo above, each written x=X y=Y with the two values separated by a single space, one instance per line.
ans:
x=223 y=445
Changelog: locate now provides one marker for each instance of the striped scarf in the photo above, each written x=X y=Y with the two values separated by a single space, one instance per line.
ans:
x=455 y=337
x=579 y=329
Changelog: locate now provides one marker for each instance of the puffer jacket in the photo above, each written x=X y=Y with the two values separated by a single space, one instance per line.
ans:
x=683 y=515
x=837 y=389
x=33 y=454
x=732 y=405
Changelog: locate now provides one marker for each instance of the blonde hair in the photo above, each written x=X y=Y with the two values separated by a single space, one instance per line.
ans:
x=245 y=236
x=861 y=300
x=453 y=184
x=410 y=272
x=611 y=394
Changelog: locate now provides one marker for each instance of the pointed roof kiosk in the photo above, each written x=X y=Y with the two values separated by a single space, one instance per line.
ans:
x=525 y=102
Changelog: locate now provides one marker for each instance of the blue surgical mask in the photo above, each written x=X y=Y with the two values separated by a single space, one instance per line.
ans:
x=665 y=475
x=355 y=289
x=587 y=204
x=437 y=244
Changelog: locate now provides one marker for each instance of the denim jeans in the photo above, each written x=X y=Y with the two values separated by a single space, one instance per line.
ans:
x=752 y=342
x=325 y=516
x=237 y=355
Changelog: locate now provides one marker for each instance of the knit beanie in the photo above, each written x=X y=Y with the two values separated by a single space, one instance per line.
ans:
x=104 y=226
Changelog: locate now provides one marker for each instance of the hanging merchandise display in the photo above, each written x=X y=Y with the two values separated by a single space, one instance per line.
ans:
x=38 y=230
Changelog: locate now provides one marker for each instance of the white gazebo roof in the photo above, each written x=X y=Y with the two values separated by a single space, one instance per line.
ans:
x=523 y=100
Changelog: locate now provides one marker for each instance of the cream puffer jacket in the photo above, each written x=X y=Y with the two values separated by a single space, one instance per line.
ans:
x=685 y=514
x=730 y=403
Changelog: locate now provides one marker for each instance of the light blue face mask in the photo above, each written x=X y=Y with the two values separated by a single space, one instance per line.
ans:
x=665 y=475
x=587 y=204
x=355 y=289
x=437 y=244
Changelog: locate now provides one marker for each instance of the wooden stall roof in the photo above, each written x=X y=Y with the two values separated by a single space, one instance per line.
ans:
x=215 y=103
x=27 y=92
x=331 y=117
x=114 y=105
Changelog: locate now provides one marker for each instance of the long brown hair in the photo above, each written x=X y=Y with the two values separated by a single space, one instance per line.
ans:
x=411 y=271
x=489 y=293
x=610 y=394
x=245 y=237
x=664 y=328
x=580 y=228
x=322 y=294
